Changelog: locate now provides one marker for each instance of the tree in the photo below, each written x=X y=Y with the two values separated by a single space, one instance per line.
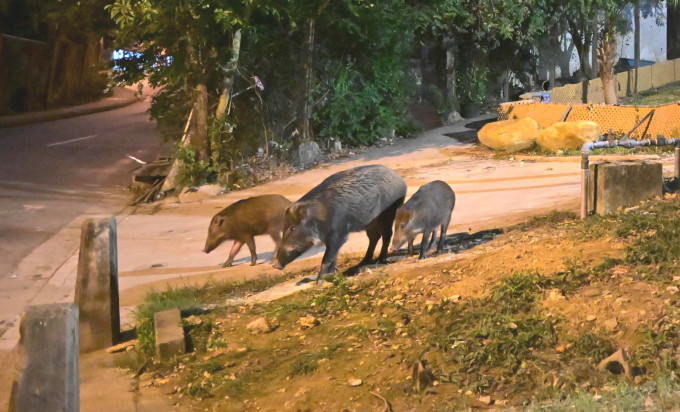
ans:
x=202 y=38
x=611 y=25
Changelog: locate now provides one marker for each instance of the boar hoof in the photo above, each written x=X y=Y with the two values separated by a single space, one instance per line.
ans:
x=226 y=264
x=252 y=263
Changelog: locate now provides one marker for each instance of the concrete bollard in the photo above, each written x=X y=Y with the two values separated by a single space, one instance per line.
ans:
x=47 y=373
x=97 y=285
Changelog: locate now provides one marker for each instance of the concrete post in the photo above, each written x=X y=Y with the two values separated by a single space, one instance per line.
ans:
x=97 y=285
x=47 y=374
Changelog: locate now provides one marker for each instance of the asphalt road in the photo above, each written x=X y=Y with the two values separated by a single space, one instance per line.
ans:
x=53 y=172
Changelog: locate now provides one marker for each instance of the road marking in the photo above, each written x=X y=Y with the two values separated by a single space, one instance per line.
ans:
x=72 y=140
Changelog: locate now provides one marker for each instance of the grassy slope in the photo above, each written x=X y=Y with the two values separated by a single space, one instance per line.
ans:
x=523 y=319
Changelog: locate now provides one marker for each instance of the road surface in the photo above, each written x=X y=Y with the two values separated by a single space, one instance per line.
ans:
x=53 y=172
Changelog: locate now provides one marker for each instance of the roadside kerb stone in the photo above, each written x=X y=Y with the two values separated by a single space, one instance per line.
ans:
x=47 y=374
x=622 y=184
x=97 y=293
x=169 y=334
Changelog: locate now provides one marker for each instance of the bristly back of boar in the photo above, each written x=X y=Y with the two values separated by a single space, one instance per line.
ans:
x=364 y=191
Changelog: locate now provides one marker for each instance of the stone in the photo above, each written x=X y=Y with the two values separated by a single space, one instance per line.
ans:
x=169 y=334
x=616 y=363
x=198 y=194
x=260 y=325
x=307 y=153
x=97 y=294
x=568 y=135
x=355 y=382
x=623 y=184
x=336 y=147
x=48 y=369
x=211 y=190
x=308 y=322
x=509 y=135
x=453 y=117
x=611 y=324
x=486 y=399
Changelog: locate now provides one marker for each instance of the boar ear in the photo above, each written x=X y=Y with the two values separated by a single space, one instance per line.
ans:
x=298 y=211
x=220 y=221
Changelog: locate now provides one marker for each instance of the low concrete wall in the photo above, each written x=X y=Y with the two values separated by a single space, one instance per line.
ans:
x=622 y=184
x=47 y=373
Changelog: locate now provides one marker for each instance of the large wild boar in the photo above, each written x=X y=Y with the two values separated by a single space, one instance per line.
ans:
x=245 y=219
x=429 y=207
x=366 y=197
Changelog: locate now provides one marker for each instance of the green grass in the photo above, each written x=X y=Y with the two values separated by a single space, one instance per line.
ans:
x=669 y=93
x=187 y=300
x=306 y=363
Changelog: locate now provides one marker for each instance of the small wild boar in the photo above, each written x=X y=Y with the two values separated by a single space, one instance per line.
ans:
x=366 y=197
x=429 y=207
x=245 y=219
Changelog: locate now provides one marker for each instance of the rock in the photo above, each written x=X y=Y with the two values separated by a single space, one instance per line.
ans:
x=355 y=382
x=260 y=325
x=210 y=190
x=486 y=400
x=568 y=135
x=193 y=320
x=509 y=135
x=308 y=322
x=672 y=289
x=611 y=324
x=616 y=363
x=453 y=117
x=591 y=318
x=555 y=294
x=306 y=154
x=336 y=147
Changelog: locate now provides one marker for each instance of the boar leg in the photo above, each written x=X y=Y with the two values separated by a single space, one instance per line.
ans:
x=330 y=256
x=373 y=232
x=424 y=244
x=251 y=246
x=442 y=236
x=431 y=242
x=385 y=222
x=410 y=247
x=276 y=237
x=234 y=250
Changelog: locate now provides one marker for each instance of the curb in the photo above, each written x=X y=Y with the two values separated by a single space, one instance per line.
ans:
x=105 y=104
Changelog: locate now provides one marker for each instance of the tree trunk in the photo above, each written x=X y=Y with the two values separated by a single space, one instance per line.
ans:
x=606 y=58
x=199 y=133
x=229 y=71
x=637 y=47
x=448 y=45
x=582 y=49
x=306 y=107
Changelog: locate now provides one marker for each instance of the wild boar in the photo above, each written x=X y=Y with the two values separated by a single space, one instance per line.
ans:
x=429 y=207
x=245 y=219
x=362 y=198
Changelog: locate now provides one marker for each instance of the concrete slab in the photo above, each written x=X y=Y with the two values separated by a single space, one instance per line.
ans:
x=169 y=334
